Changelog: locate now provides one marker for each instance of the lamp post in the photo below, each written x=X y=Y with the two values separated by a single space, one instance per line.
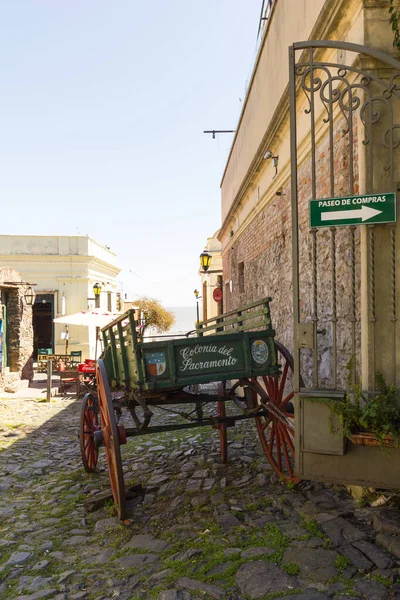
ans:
x=196 y=293
x=97 y=292
x=66 y=336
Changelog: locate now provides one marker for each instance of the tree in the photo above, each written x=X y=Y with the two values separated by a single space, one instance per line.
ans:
x=155 y=316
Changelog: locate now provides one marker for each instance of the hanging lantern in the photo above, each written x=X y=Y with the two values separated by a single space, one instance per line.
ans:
x=205 y=260
x=97 y=289
x=29 y=296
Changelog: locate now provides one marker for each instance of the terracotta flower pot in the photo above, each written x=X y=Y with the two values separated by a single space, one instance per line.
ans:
x=367 y=439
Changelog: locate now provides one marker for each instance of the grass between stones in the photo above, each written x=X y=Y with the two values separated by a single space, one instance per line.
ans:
x=212 y=549
x=314 y=531
x=259 y=504
x=341 y=562
x=381 y=579
x=347 y=583
x=291 y=568
x=274 y=595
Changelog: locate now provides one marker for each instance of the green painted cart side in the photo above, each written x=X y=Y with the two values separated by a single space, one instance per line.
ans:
x=230 y=350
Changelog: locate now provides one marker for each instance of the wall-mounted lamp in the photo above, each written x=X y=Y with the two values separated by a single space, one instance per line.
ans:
x=205 y=260
x=97 y=292
x=97 y=289
x=29 y=296
x=279 y=192
x=275 y=159
x=29 y=293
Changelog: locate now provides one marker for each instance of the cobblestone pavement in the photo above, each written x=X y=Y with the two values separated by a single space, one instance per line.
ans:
x=197 y=528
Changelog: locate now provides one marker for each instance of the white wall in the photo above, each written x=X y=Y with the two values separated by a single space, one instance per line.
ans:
x=69 y=267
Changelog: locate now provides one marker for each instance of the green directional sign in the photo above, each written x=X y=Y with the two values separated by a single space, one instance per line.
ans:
x=353 y=210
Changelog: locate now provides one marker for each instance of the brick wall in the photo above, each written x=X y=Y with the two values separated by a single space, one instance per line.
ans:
x=265 y=247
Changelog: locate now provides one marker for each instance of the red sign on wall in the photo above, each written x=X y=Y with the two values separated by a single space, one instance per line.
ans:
x=217 y=294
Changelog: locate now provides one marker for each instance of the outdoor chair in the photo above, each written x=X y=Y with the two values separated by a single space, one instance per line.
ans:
x=76 y=357
x=69 y=381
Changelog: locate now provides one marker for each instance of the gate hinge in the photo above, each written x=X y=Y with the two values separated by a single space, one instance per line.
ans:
x=305 y=335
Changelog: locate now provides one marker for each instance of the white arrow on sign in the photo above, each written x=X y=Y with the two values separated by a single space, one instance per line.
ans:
x=364 y=213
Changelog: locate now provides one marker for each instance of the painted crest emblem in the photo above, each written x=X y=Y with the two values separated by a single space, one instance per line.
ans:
x=259 y=352
x=156 y=363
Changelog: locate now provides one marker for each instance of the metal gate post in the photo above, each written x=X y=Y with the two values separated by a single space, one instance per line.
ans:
x=295 y=219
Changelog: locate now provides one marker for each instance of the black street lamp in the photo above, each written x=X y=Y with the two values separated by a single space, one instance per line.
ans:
x=97 y=292
x=196 y=293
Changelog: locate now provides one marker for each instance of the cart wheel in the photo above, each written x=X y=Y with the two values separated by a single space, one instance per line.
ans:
x=89 y=423
x=111 y=441
x=276 y=431
x=222 y=428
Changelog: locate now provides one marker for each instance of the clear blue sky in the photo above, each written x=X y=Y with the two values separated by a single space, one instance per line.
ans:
x=103 y=107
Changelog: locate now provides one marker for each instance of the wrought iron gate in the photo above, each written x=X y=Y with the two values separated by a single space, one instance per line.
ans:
x=345 y=132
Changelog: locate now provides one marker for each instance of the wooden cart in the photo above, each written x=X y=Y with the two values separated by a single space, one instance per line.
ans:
x=236 y=349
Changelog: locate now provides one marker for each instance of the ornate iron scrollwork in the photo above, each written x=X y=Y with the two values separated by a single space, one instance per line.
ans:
x=350 y=90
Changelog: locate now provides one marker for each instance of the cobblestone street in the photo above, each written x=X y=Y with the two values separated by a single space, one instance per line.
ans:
x=195 y=529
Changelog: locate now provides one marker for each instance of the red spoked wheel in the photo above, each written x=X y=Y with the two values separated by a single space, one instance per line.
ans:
x=111 y=439
x=89 y=423
x=276 y=430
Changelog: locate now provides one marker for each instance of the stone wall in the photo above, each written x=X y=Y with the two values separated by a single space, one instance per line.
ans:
x=265 y=248
x=20 y=329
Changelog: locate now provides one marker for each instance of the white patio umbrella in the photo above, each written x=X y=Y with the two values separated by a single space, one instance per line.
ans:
x=89 y=318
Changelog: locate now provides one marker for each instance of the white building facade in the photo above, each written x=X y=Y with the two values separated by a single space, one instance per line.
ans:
x=64 y=270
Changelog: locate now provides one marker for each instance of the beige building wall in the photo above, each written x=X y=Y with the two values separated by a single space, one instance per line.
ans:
x=211 y=280
x=66 y=267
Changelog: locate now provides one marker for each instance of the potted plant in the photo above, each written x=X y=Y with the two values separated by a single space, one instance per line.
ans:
x=370 y=421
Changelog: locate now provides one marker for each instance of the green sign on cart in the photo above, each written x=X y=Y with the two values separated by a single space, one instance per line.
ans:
x=353 y=210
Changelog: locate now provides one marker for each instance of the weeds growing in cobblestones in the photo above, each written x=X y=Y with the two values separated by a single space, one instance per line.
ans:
x=381 y=579
x=212 y=548
x=315 y=530
x=291 y=568
x=274 y=595
x=110 y=508
x=259 y=504
x=270 y=537
x=341 y=562
x=115 y=536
